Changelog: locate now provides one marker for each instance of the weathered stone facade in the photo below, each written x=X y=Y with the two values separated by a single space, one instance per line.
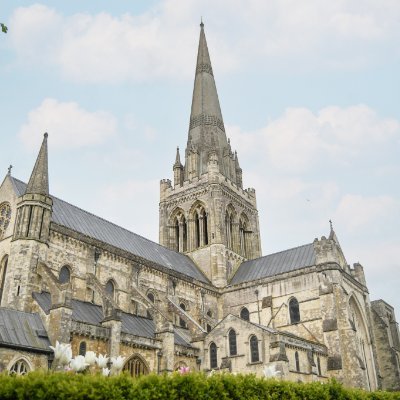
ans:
x=205 y=298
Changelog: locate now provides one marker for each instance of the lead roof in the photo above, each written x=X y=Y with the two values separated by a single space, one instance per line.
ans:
x=23 y=330
x=92 y=314
x=90 y=225
x=275 y=264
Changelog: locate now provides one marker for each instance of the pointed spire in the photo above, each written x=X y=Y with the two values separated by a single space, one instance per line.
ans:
x=237 y=166
x=206 y=129
x=177 y=159
x=39 y=180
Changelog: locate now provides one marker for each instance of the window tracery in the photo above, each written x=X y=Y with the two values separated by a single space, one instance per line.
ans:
x=244 y=314
x=20 y=367
x=136 y=366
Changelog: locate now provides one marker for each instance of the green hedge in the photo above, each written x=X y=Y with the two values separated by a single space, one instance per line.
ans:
x=42 y=386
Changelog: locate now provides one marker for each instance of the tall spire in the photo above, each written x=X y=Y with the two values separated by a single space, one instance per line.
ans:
x=39 y=180
x=177 y=159
x=206 y=129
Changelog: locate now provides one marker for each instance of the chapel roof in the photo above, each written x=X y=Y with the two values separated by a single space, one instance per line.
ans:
x=19 y=329
x=89 y=313
x=81 y=221
x=275 y=264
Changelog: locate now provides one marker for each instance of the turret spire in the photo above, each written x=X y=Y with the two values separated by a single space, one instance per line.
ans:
x=39 y=180
x=177 y=158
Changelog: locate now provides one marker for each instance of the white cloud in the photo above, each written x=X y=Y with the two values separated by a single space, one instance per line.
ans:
x=300 y=138
x=68 y=125
x=161 y=42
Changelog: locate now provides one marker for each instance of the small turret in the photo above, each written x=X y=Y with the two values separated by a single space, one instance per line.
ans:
x=239 y=172
x=35 y=208
x=178 y=169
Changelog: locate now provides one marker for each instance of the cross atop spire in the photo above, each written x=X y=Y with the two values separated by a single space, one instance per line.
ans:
x=39 y=180
x=9 y=170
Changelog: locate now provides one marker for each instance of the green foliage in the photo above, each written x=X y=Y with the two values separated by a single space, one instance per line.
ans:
x=194 y=386
x=4 y=28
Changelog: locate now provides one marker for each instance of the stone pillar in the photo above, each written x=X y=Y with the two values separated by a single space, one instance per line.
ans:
x=114 y=323
x=180 y=249
x=166 y=335
x=190 y=234
x=60 y=320
x=236 y=241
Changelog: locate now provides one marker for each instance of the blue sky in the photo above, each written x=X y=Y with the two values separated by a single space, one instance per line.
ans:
x=309 y=91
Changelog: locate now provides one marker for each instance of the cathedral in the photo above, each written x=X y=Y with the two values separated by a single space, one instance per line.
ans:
x=204 y=297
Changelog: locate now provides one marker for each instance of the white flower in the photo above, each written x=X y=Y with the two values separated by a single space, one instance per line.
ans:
x=90 y=357
x=66 y=355
x=117 y=363
x=102 y=361
x=78 y=363
x=57 y=350
x=106 y=372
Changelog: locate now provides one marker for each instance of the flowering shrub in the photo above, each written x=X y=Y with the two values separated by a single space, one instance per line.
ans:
x=63 y=361
x=188 y=386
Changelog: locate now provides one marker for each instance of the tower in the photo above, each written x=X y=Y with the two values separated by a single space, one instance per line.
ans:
x=205 y=212
x=31 y=234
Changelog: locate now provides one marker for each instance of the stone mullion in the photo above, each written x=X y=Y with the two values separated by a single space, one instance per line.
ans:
x=201 y=226
x=172 y=237
x=190 y=234
x=236 y=245
x=181 y=237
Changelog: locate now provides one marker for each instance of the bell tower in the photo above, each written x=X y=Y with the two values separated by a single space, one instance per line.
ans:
x=205 y=212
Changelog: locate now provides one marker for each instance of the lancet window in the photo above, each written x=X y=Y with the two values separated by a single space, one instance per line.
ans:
x=244 y=314
x=294 y=311
x=229 y=228
x=244 y=236
x=180 y=236
x=232 y=343
x=213 y=356
x=254 y=353
x=65 y=275
x=200 y=228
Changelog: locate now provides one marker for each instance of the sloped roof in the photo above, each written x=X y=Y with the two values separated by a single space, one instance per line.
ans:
x=23 y=330
x=90 y=313
x=90 y=225
x=275 y=264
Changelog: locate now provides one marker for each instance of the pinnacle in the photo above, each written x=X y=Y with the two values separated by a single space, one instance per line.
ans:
x=39 y=180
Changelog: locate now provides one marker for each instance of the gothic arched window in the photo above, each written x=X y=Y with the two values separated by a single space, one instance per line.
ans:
x=244 y=314
x=20 y=367
x=254 y=354
x=65 y=275
x=296 y=359
x=203 y=216
x=294 y=311
x=197 y=230
x=150 y=296
x=232 y=343
x=136 y=366
x=213 y=356
x=3 y=271
x=5 y=217
x=182 y=322
x=82 y=348
x=110 y=288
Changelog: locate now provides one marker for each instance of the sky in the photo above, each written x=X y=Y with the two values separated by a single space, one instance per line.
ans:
x=309 y=92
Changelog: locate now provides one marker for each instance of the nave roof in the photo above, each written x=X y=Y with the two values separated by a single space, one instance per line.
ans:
x=81 y=221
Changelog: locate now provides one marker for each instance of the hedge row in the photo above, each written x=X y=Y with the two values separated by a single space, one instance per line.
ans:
x=42 y=386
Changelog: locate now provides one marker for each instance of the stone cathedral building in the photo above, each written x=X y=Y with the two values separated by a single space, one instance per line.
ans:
x=205 y=297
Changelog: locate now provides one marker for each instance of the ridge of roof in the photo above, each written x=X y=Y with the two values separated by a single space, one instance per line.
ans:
x=158 y=249
x=274 y=264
